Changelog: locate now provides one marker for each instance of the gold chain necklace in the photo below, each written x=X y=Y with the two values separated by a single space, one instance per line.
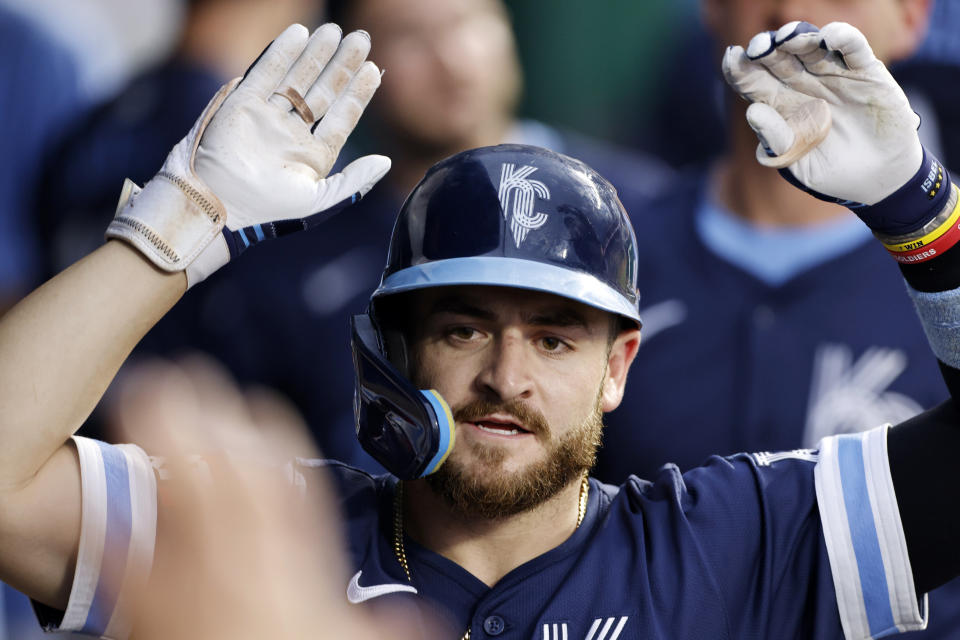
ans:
x=400 y=549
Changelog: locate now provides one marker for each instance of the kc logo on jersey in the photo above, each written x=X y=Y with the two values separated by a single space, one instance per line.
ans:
x=850 y=394
x=518 y=195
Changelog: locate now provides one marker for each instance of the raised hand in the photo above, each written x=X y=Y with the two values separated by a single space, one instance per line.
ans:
x=255 y=164
x=870 y=158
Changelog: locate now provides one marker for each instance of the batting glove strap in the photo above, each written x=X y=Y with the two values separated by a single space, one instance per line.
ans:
x=175 y=217
x=170 y=242
x=904 y=211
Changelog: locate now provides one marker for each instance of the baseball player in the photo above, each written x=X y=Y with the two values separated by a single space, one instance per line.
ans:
x=503 y=328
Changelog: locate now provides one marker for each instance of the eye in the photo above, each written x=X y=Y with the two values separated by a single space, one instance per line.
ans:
x=463 y=333
x=553 y=344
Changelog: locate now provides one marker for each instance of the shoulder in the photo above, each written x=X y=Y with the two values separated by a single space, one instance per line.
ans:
x=723 y=483
x=353 y=485
x=365 y=499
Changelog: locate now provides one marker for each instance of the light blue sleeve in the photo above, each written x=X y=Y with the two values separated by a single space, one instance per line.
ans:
x=864 y=537
x=117 y=536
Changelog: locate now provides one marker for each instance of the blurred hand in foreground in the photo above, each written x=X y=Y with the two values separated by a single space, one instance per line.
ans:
x=241 y=551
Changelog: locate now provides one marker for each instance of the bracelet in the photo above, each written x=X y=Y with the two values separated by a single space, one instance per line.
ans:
x=930 y=251
x=931 y=231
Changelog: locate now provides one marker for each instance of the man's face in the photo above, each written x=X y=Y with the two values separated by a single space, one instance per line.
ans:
x=450 y=67
x=893 y=27
x=527 y=376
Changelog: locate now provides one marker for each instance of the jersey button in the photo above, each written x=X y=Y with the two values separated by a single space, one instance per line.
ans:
x=494 y=625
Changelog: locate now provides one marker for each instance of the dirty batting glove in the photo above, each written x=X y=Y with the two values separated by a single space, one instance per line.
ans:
x=868 y=157
x=255 y=164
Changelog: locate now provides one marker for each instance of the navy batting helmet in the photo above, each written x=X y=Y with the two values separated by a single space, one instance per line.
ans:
x=511 y=216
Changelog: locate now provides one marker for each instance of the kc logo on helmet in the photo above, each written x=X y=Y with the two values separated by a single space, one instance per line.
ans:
x=517 y=195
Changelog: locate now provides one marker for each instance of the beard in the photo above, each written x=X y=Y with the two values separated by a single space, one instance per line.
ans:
x=487 y=491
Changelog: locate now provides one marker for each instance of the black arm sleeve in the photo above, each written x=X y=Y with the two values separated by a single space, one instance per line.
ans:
x=939 y=274
x=924 y=465
x=925 y=457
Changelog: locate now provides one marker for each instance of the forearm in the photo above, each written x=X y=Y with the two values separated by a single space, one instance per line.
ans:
x=62 y=345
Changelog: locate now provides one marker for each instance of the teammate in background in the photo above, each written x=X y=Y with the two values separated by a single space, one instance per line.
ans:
x=453 y=82
x=771 y=327
x=772 y=319
x=510 y=292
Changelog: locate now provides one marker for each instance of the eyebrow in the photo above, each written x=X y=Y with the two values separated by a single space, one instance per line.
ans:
x=560 y=317
x=459 y=306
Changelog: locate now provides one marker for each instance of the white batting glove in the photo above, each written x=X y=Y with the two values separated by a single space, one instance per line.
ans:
x=870 y=158
x=255 y=164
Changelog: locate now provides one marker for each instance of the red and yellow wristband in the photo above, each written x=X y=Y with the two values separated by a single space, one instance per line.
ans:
x=933 y=243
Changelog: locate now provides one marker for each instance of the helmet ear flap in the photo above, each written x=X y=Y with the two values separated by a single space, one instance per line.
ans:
x=391 y=331
x=394 y=348
x=408 y=430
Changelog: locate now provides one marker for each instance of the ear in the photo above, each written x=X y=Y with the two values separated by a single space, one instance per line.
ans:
x=916 y=19
x=622 y=353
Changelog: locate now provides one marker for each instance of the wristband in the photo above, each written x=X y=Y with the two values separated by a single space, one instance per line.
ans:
x=912 y=206
x=930 y=251
x=931 y=231
x=903 y=212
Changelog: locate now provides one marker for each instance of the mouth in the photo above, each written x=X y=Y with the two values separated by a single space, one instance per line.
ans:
x=499 y=426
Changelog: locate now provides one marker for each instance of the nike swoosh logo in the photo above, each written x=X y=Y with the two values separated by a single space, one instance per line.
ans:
x=660 y=317
x=357 y=594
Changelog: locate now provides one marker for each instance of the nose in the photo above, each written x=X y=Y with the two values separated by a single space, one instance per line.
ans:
x=447 y=55
x=784 y=11
x=506 y=373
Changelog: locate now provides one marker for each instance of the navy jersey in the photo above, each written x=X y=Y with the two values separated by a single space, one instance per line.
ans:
x=803 y=544
x=737 y=548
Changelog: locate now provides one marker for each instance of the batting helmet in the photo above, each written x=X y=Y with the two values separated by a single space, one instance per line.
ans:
x=510 y=216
